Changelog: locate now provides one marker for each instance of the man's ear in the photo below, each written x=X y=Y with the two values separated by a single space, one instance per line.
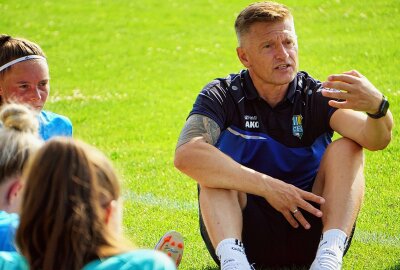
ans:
x=241 y=53
x=13 y=191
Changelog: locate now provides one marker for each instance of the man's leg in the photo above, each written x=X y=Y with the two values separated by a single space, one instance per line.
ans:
x=340 y=181
x=221 y=211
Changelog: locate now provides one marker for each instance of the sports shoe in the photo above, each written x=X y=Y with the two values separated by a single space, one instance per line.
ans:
x=172 y=245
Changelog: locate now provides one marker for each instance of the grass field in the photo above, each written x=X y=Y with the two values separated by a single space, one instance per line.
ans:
x=127 y=73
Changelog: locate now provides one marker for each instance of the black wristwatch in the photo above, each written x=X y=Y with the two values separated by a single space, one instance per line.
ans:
x=382 y=109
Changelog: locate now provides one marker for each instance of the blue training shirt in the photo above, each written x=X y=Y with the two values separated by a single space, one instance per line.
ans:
x=8 y=227
x=52 y=124
x=285 y=142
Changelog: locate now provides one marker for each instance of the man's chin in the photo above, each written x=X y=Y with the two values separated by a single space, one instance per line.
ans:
x=286 y=79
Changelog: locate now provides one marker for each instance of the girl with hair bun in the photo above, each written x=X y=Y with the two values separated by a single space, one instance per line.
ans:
x=24 y=78
x=18 y=140
x=71 y=215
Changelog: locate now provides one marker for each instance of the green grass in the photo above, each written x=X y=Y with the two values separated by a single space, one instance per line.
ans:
x=127 y=73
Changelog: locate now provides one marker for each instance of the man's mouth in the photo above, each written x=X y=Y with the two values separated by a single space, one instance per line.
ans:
x=282 y=66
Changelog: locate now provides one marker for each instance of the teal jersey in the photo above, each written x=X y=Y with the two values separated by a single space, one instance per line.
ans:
x=139 y=259
x=12 y=261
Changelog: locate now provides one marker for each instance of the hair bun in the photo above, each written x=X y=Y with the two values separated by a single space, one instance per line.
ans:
x=4 y=38
x=19 y=117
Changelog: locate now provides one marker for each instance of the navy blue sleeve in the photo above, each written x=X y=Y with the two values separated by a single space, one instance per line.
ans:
x=214 y=102
x=329 y=110
x=320 y=110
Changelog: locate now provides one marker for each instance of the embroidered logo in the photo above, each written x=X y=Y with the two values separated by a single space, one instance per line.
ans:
x=297 y=127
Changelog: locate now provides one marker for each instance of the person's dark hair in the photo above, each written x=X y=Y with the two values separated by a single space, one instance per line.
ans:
x=62 y=225
x=12 y=48
x=260 y=12
x=18 y=139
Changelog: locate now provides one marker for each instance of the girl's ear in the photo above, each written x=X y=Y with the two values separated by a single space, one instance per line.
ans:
x=13 y=191
x=110 y=210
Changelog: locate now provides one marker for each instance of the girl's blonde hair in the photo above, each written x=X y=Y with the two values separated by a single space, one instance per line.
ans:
x=18 y=139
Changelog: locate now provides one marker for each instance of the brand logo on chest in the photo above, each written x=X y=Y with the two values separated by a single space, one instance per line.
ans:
x=251 y=121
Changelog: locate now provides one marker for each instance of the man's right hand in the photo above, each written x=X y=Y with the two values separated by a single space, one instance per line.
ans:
x=291 y=201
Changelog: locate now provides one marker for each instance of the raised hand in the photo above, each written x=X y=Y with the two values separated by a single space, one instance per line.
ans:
x=356 y=92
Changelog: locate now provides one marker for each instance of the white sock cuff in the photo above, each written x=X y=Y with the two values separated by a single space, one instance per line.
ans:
x=335 y=235
x=228 y=242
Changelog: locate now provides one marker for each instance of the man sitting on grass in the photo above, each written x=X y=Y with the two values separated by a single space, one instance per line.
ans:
x=259 y=145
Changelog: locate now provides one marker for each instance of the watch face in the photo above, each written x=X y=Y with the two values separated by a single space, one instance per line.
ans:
x=382 y=109
x=384 y=106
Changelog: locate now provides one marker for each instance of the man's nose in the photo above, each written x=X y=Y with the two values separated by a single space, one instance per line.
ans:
x=281 y=51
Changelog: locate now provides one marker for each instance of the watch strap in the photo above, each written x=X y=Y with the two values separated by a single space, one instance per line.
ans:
x=383 y=107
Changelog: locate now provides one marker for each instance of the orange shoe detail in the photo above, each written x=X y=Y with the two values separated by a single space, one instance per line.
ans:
x=172 y=245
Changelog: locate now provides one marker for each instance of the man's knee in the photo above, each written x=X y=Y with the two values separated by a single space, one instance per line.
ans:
x=342 y=157
x=345 y=149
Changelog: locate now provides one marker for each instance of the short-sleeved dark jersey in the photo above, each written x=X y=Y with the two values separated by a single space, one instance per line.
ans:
x=286 y=142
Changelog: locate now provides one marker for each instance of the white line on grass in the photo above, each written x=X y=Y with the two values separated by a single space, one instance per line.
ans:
x=377 y=238
x=152 y=200
x=77 y=95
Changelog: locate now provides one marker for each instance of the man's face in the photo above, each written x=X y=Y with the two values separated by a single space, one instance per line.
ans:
x=27 y=82
x=270 y=52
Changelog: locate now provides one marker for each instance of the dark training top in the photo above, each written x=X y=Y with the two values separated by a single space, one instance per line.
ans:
x=285 y=142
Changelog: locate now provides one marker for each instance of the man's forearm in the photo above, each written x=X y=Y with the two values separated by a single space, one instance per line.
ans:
x=212 y=168
x=372 y=134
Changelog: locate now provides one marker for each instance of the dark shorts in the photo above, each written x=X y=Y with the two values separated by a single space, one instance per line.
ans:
x=269 y=239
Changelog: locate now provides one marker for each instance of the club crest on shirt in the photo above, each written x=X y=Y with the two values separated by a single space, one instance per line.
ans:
x=297 y=127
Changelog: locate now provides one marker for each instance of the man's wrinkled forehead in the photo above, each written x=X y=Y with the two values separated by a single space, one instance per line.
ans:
x=281 y=34
x=271 y=28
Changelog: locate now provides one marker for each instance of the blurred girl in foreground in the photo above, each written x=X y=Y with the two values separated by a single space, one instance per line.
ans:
x=71 y=214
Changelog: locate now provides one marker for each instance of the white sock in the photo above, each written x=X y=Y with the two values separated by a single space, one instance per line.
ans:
x=330 y=250
x=231 y=254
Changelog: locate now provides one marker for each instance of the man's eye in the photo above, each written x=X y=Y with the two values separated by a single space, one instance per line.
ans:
x=24 y=86
x=290 y=43
x=43 y=84
x=267 y=46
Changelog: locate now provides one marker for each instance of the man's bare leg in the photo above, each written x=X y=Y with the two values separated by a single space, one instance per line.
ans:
x=340 y=181
x=222 y=215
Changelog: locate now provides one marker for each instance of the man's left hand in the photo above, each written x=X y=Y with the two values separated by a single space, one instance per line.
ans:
x=356 y=92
